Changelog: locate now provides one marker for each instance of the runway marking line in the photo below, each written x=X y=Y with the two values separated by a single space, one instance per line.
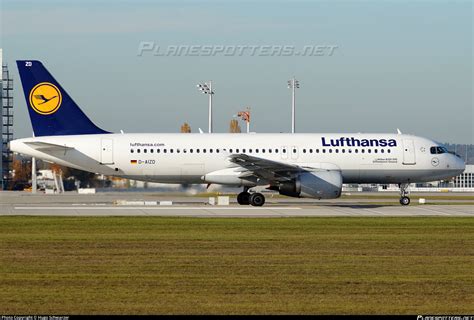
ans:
x=155 y=208
x=437 y=211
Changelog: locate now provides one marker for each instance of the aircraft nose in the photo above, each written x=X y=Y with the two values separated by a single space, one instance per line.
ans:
x=461 y=165
x=458 y=164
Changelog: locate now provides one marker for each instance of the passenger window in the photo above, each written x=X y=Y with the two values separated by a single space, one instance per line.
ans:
x=243 y=150
x=269 y=150
x=324 y=150
x=210 y=150
x=317 y=150
x=362 y=150
x=375 y=151
x=369 y=151
x=197 y=150
x=256 y=150
x=237 y=150
x=250 y=150
x=177 y=150
x=310 y=150
x=203 y=150
x=171 y=150
x=389 y=151
x=343 y=150
x=131 y=150
x=294 y=150
x=276 y=150
x=330 y=150
x=151 y=150
x=382 y=150
x=304 y=150
x=165 y=150
x=263 y=150
x=157 y=150
x=191 y=150
x=337 y=150
x=356 y=150
x=349 y=150
x=138 y=150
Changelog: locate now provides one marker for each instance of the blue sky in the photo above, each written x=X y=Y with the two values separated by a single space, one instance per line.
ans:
x=398 y=64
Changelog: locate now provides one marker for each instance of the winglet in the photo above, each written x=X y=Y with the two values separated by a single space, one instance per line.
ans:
x=398 y=131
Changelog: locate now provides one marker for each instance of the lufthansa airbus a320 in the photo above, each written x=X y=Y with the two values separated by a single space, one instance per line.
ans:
x=295 y=165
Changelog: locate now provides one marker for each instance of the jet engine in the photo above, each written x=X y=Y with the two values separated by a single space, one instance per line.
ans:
x=325 y=184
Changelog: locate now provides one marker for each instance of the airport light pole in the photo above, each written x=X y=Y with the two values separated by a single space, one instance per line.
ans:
x=206 y=88
x=293 y=84
x=34 y=186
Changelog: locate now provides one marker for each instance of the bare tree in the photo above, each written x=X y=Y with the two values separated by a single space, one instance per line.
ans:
x=22 y=171
x=234 y=126
x=185 y=128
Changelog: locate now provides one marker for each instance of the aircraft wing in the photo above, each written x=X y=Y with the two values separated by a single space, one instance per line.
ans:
x=264 y=168
x=45 y=146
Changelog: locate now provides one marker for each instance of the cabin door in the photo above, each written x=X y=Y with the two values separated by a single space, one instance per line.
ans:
x=408 y=152
x=107 y=151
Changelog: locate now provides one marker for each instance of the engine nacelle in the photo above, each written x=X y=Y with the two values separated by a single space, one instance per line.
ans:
x=320 y=185
x=231 y=177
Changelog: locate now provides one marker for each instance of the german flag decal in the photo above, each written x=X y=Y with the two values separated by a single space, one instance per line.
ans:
x=133 y=161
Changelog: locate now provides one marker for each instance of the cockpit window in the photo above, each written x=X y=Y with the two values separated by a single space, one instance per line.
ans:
x=438 y=150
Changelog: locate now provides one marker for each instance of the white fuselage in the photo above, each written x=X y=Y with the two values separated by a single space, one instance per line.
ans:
x=188 y=158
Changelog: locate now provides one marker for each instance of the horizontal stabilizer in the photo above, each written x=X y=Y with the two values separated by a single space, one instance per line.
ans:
x=45 y=146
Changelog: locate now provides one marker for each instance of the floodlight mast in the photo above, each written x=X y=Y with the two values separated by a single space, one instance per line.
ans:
x=206 y=88
x=293 y=84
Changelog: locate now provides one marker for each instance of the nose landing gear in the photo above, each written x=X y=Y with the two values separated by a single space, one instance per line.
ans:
x=404 y=192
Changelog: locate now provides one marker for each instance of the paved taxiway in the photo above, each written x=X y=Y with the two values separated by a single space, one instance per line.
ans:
x=71 y=204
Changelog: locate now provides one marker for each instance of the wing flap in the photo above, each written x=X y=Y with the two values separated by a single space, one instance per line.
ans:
x=264 y=168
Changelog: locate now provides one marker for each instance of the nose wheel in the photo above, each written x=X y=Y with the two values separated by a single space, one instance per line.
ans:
x=404 y=201
x=404 y=192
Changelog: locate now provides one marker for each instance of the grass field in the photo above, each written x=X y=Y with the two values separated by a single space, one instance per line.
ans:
x=148 y=265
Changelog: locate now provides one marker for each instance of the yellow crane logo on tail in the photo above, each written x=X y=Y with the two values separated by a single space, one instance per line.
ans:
x=45 y=98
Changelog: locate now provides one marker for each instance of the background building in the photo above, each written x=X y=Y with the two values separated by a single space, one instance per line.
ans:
x=6 y=127
x=466 y=179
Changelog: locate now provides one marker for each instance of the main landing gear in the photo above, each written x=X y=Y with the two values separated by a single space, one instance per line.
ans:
x=404 y=192
x=255 y=199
